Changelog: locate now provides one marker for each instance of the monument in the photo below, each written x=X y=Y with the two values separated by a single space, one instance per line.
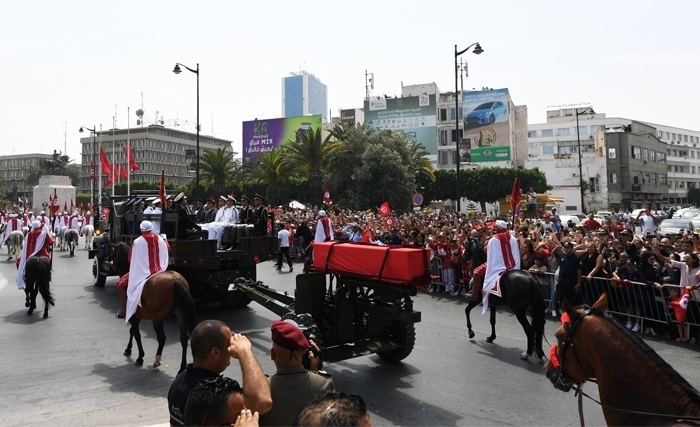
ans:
x=48 y=184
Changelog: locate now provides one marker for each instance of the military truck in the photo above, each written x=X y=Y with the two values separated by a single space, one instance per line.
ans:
x=208 y=271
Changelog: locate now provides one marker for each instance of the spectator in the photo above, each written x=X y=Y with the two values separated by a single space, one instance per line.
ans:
x=532 y=203
x=591 y=224
x=334 y=409
x=283 y=240
x=213 y=346
x=292 y=386
x=646 y=222
x=215 y=402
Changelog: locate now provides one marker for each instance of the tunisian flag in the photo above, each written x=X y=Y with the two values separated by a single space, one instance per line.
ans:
x=680 y=307
x=384 y=209
x=327 y=196
x=130 y=158
x=106 y=167
x=55 y=205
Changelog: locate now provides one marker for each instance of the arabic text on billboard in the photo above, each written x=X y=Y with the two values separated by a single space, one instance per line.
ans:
x=487 y=130
x=415 y=116
x=261 y=136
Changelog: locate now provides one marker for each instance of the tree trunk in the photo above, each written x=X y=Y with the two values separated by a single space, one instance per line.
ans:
x=315 y=186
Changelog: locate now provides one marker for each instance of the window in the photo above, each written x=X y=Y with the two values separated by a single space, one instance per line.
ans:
x=646 y=178
x=645 y=154
x=674 y=152
x=593 y=185
x=653 y=179
x=564 y=149
x=583 y=130
x=452 y=135
x=443 y=114
x=673 y=136
x=692 y=169
x=662 y=179
x=611 y=153
x=692 y=154
x=443 y=137
x=594 y=129
x=652 y=156
x=636 y=153
x=533 y=151
x=685 y=138
x=532 y=134
x=613 y=178
x=452 y=113
x=547 y=132
x=563 y=132
x=548 y=149
x=460 y=113
x=443 y=157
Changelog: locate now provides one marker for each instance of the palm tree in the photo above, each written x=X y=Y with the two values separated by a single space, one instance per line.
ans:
x=42 y=167
x=419 y=161
x=310 y=156
x=217 y=167
x=273 y=172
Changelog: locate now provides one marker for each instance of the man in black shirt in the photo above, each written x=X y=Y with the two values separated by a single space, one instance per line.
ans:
x=570 y=267
x=260 y=216
x=213 y=346
x=185 y=226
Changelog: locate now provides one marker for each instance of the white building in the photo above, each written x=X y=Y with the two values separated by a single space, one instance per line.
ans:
x=553 y=148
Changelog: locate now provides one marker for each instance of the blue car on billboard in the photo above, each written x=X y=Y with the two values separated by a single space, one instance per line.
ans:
x=486 y=113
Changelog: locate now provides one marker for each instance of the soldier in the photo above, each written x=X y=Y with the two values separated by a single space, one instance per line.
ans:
x=245 y=216
x=292 y=386
x=211 y=210
x=260 y=216
x=185 y=226
x=200 y=215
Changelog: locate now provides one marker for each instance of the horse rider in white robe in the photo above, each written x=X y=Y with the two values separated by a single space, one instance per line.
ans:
x=148 y=256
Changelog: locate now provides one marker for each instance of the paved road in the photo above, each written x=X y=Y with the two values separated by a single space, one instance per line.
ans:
x=69 y=369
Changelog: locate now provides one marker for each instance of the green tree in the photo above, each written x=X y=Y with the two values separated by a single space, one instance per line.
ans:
x=310 y=156
x=419 y=162
x=694 y=196
x=273 y=173
x=42 y=167
x=217 y=168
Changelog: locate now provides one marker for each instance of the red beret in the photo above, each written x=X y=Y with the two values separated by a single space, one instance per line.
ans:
x=288 y=335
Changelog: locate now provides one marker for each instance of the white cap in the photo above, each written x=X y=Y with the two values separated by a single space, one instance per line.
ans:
x=321 y=213
x=43 y=213
x=146 y=226
x=36 y=224
x=501 y=224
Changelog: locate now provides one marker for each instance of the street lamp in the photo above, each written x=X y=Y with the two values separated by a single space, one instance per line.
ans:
x=477 y=50
x=93 y=167
x=587 y=110
x=177 y=70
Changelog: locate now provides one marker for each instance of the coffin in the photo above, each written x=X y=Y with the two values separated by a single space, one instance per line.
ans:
x=390 y=264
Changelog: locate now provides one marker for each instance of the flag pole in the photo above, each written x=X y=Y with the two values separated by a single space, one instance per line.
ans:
x=99 y=176
x=114 y=158
x=128 y=144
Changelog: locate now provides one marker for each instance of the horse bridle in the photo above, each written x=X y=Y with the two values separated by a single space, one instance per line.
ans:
x=564 y=380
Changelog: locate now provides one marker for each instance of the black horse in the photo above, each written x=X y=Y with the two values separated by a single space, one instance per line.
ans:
x=519 y=290
x=37 y=275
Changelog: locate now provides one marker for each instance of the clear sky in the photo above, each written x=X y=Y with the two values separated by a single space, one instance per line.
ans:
x=80 y=61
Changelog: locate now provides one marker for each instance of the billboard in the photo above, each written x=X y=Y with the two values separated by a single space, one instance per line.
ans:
x=261 y=136
x=416 y=116
x=487 y=126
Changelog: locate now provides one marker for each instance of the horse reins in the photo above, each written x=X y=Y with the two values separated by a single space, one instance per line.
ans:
x=565 y=380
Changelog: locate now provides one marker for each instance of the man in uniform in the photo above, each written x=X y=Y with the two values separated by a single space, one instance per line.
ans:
x=200 y=215
x=185 y=226
x=245 y=216
x=211 y=211
x=130 y=210
x=502 y=254
x=292 y=386
x=213 y=347
x=260 y=216
x=229 y=236
x=155 y=210
x=38 y=242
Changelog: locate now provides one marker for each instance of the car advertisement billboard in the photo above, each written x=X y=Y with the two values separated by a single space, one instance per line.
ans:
x=261 y=136
x=487 y=126
x=416 y=116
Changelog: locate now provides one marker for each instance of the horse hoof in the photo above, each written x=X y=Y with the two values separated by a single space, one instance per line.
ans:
x=540 y=354
x=490 y=339
x=471 y=334
x=27 y=304
x=127 y=352
x=46 y=315
x=139 y=362
x=524 y=356
x=156 y=364
x=30 y=311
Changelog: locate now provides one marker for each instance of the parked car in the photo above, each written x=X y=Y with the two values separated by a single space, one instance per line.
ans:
x=674 y=226
x=486 y=113
x=696 y=222
x=566 y=218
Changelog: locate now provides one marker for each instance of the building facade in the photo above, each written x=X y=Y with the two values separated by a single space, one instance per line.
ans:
x=14 y=169
x=303 y=94
x=156 y=148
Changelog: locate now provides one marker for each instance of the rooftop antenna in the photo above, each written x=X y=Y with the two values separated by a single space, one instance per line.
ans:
x=65 y=135
x=369 y=84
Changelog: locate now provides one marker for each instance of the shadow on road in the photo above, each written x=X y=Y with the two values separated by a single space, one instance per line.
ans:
x=509 y=355
x=20 y=317
x=127 y=378
x=378 y=386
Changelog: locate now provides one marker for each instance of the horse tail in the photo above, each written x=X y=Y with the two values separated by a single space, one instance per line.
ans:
x=538 y=306
x=185 y=304
x=43 y=277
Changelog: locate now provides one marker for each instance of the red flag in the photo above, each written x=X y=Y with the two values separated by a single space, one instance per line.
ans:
x=123 y=173
x=109 y=181
x=55 y=206
x=327 y=196
x=389 y=222
x=106 y=167
x=680 y=306
x=161 y=191
x=384 y=209
x=130 y=157
x=367 y=235
x=93 y=175
x=516 y=194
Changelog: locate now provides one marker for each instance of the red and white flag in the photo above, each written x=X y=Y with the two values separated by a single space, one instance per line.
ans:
x=384 y=209
x=327 y=196
x=55 y=205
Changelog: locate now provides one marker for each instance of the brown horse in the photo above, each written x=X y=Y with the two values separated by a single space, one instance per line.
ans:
x=636 y=386
x=162 y=294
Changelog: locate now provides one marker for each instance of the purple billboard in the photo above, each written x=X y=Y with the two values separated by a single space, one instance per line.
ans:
x=261 y=136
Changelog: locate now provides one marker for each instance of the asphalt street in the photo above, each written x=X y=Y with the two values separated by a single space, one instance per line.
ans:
x=68 y=370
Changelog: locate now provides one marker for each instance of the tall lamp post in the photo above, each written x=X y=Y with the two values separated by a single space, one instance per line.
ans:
x=587 y=110
x=177 y=70
x=477 y=50
x=93 y=166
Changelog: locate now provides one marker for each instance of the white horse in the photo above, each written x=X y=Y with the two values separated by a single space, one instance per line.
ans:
x=25 y=230
x=89 y=232
x=15 y=241
x=61 y=241
x=72 y=239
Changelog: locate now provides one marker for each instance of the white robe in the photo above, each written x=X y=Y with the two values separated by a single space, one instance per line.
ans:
x=13 y=224
x=496 y=266
x=86 y=221
x=23 y=260
x=144 y=264
x=321 y=234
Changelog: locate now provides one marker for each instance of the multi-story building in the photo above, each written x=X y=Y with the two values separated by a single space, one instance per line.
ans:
x=156 y=149
x=553 y=148
x=303 y=94
x=14 y=170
